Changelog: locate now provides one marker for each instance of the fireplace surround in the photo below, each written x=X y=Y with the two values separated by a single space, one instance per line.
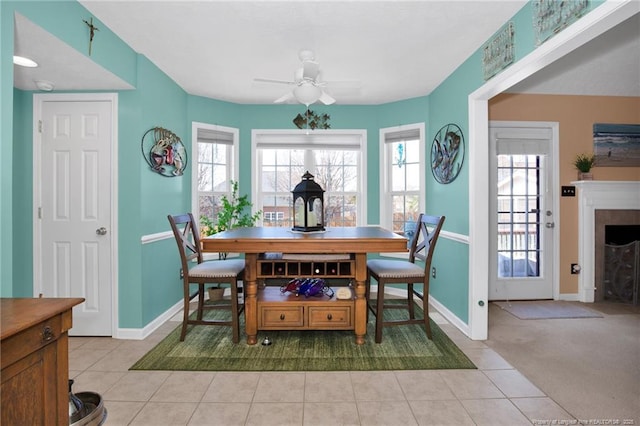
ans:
x=607 y=196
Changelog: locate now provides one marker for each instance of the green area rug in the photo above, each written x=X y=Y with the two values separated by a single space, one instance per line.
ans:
x=209 y=348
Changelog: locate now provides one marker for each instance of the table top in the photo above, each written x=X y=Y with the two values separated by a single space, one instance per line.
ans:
x=358 y=239
x=21 y=313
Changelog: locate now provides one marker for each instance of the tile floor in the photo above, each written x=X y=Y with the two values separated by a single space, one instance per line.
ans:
x=495 y=394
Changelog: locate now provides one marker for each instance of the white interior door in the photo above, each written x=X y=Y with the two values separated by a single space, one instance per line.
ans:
x=76 y=138
x=522 y=252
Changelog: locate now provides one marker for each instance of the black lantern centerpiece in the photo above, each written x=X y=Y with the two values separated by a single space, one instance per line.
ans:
x=308 y=205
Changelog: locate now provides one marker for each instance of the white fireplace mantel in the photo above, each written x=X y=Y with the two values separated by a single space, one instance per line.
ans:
x=598 y=195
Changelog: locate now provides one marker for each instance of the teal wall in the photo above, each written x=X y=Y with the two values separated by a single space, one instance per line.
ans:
x=22 y=161
x=148 y=273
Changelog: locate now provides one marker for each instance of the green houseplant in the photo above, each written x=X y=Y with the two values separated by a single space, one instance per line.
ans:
x=234 y=212
x=584 y=163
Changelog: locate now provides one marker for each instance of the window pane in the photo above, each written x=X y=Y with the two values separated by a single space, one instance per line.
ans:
x=397 y=178
x=205 y=152
x=205 y=173
x=277 y=210
x=220 y=153
x=220 y=182
x=268 y=179
x=413 y=150
x=268 y=157
x=413 y=177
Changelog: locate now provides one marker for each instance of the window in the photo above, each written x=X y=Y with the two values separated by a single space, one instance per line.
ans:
x=519 y=218
x=334 y=158
x=214 y=151
x=273 y=216
x=402 y=177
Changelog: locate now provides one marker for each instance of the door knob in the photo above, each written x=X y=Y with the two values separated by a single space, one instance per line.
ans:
x=101 y=231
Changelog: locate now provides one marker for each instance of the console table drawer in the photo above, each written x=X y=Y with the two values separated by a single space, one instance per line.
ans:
x=335 y=317
x=280 y=317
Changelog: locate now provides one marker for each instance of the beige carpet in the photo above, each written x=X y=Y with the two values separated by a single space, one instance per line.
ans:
x=590 y=366
x=547 y=309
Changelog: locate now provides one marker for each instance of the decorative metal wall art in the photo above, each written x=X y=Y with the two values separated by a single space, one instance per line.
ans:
x=447 y=153
x=311 y=120
x=164 y=152
x=552 y=16
x=498 y=52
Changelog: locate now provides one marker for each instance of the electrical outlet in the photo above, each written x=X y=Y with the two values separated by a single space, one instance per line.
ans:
x=575 y=268
x=181 y=273
x=433 y=272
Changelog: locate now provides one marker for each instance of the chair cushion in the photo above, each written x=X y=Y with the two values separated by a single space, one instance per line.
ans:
x=395 y=268
x=217 y=268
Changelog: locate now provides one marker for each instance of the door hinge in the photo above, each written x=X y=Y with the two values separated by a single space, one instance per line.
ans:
x=39 y=126
x=39 y=212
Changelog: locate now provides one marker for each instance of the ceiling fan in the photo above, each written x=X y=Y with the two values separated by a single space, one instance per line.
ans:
x=308 y=86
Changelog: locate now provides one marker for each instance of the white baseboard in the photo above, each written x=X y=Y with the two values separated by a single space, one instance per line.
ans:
x=571 y=297
x=442 y=310
x=142 y=333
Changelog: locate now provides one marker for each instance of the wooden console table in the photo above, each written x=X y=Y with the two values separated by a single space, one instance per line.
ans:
x=355 y=241
x=34 y=359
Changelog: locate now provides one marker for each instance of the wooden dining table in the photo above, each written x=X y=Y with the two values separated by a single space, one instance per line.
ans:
x=254 y=242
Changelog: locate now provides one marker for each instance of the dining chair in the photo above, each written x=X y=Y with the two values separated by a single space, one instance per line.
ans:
x=392 y=271
x=197 y=271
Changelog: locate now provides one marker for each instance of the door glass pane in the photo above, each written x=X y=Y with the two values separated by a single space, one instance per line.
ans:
x=519 y=216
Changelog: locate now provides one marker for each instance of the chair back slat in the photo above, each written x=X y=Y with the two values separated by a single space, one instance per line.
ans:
x=187 y=237
x=425 y=238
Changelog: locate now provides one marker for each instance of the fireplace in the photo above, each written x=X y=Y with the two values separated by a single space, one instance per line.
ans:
x=601 y=203
x=618 y=257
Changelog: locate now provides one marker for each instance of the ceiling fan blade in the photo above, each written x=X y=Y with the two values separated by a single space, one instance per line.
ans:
x=268 y=80
x=326 y=99
x=284 y=98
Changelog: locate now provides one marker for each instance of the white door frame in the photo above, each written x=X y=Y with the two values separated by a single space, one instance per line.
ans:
x=590 y=26
x=38 y=100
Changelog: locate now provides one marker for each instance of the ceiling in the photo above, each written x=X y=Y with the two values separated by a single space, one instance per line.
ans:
x=374 y=51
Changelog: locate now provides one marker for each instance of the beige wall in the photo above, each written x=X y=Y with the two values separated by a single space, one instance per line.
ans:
x=576 y=115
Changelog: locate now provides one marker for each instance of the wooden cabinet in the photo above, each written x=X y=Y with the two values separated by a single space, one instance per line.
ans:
x=34 y=361
x=278 y=311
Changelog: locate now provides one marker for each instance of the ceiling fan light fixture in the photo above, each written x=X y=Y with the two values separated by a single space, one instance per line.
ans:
x=23 y=61
x=307 y=93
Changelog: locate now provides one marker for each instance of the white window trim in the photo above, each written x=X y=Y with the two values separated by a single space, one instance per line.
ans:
x=193 y=159
x=314 y=137
x=385 y=212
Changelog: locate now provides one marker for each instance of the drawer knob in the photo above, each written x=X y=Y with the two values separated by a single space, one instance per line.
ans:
x=47 y=334
x=282 y=317
x=329 y=317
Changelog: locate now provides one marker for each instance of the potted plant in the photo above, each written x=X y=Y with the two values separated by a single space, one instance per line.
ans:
x=232 y=214
x=584 y=163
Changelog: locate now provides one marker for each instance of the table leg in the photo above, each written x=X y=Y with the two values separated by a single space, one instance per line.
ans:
x=361 y=302
x=250 y=298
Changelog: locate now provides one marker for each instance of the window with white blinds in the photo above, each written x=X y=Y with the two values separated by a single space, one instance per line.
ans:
x=214 y=151
x=402 y=177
